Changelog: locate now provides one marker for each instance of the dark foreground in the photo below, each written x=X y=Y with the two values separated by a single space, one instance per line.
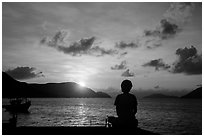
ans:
x=74 y=131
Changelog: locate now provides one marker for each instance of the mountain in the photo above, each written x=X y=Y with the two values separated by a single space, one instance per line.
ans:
x=14 y=88
x=195 y=94
x=159 y=96
x=103 y=95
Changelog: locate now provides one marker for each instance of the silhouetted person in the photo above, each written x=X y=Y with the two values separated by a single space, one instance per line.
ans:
x=126 y=107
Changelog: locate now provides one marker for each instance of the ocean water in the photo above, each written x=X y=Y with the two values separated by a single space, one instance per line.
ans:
x=164 y=116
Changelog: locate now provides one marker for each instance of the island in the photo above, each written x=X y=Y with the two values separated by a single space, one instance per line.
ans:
x=195 y=94
x=160 y=96
x=12 y=88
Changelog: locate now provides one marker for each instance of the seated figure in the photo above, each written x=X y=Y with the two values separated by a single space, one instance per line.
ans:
x=126 y=107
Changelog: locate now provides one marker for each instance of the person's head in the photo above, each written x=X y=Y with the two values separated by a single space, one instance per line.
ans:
x=126 y=86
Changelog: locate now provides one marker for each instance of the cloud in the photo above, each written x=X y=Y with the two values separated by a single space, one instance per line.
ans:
x=158 y=64
x=166 y=30
x=98 y=51
x=189 y=62
x=57 y=40
x=78 y=48
x=180 y=12
x=121 y=66
x=156 y=87
x=123 y=45
x=154 y=44
x=124 y=53
x=121 y=55
x=85 y=46
x=127 y=73
x=21 y=73
x=176 y=16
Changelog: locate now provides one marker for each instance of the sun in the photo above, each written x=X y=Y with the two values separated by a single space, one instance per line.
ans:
x=82 y=84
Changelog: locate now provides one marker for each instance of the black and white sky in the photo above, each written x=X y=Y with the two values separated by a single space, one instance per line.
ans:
x=100 y=44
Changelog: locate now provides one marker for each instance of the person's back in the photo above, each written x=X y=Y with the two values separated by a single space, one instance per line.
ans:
x=126 y=104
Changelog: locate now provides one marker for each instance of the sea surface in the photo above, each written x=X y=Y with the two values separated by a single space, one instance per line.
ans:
x=164 y=116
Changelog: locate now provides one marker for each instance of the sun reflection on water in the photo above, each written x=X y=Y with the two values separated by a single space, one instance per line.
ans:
x=81 y=110
x=82 y=115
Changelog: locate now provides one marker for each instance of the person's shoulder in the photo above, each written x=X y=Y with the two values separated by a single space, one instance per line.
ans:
x=117 y=99
x=119 y=95
x=132 y=95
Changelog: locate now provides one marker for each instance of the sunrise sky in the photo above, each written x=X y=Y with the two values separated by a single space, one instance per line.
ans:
x=155 y=45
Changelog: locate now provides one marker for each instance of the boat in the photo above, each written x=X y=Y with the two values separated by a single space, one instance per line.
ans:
x=18 y=105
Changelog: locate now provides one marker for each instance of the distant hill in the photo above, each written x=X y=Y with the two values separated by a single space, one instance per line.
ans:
x=14 y=88
x=159 y=96
x=103 y=95
x=195 y=94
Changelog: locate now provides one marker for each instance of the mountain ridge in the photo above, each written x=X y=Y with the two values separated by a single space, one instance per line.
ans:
x=159 y=96
x=14 y=88
x=195 y=94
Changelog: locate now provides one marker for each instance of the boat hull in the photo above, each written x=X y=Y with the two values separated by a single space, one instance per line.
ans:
x=18 y=108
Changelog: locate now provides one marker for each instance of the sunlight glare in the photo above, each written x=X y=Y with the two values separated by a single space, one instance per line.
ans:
x=82 y=84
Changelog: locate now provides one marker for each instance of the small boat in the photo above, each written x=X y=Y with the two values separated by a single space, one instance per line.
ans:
x=18 y=105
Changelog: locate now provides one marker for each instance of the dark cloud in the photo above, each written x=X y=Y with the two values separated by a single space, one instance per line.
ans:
x=154 y=45
x=124 y=53
x=127 y=73
x=43 y=40
x=21 y=73
x=57 y=40
x=166 y=30
x=189 y=62
x=156 y=87
x=81 y=47
x=121 y=66
x=121 y=55
x=176 y=16
x=157 y=63
x=98 y=51
x=123 y=45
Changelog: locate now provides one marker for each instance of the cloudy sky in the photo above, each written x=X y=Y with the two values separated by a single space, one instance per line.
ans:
x=155 y=45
